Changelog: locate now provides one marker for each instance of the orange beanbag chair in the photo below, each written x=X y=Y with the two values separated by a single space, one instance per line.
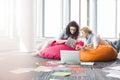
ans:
x=102 y=53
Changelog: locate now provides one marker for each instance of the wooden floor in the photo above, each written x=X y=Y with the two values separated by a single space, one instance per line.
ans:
x=12 y=60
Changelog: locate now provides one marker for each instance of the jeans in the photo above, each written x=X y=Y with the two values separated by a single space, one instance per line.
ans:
x=116 y=45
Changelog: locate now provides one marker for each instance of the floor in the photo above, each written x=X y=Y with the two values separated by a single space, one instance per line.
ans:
x=14 y=65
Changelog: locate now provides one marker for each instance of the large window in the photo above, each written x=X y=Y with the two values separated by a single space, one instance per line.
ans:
x=106 y=18
x=52 y=18
x=74 y=10
x=7 y=19
x=7 y=25
x=55 y=15
x=84 y=13
x=4 y=18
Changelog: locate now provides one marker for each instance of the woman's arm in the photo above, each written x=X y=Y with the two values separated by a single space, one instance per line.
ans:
x=61 y=41
x=60 y=38
x=93 y=42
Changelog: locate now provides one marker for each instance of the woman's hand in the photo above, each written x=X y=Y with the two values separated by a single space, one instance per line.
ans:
x=77 y=47
x=85 y=49
x=88 y=49
x=81 y=48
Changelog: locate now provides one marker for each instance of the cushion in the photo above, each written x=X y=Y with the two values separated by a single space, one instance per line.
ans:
x=80 y=43
x=54 y=51
x=102 y=53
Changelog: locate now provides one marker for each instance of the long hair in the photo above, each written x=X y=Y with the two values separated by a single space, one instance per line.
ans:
x=76 y=34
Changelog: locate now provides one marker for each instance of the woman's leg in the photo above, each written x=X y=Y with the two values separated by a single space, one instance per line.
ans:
x=115 y=42
x=45 y=45
x=117 y=45
x=42 y=46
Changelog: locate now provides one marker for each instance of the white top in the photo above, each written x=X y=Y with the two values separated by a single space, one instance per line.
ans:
x=94 y=40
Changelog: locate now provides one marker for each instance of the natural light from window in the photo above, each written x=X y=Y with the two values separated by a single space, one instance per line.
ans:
x=106 y=18
x=4 y=20
x=118 y=17
x=75 y=10
x=52 y=18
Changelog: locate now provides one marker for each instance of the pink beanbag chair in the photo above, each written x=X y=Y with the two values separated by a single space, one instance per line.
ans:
x=80 y=43
x=54 y=51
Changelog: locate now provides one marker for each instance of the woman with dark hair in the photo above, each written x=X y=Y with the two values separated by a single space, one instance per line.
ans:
x=71 y=31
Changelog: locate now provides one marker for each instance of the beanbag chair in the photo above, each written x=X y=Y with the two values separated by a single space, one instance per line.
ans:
x=102 y=53
x=80 y=43
x=54 y=51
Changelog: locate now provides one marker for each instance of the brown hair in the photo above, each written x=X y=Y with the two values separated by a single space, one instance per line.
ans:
x=74 y=24
x=86 y=30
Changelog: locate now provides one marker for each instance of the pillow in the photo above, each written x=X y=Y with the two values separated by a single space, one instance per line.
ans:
x=102 y=53
x=54 y=51
x=80 y=43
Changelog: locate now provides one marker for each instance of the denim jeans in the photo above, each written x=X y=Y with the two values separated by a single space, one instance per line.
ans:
x=115 y=44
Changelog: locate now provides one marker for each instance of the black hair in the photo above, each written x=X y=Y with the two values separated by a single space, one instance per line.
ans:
x=74 y=24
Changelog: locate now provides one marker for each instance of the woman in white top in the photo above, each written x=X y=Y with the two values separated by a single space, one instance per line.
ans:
x=93 y=40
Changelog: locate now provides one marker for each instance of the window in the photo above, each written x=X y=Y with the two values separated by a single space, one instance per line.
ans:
x=118 y=17
x=106 y=18
x=75 y=10
x=84 y=13
x=7 y=25
x=52 y=18
x=4 y=18
x=79 y=11
x=54 y=15
x=7 y=19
